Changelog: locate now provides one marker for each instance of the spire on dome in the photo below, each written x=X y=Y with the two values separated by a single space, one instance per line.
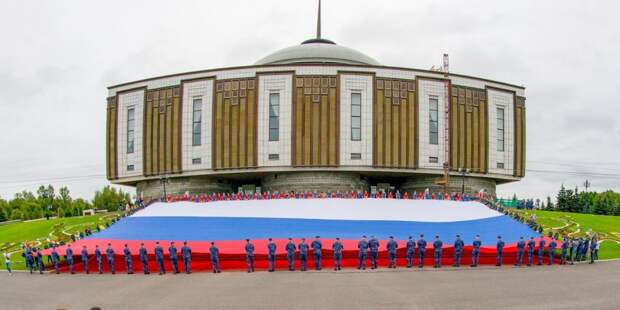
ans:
x=318 y=38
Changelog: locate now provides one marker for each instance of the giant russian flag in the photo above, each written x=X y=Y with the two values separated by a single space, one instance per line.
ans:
x=229 y=223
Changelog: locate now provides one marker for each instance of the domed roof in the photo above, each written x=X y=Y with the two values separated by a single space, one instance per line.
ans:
x=317 y=51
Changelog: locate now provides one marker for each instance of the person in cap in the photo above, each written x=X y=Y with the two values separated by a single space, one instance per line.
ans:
x=421 y=251
x=174 y=257
x=40 y=261
x=144 y=258
x=249 y=254
x=373 y=244
x=85 y=259
x=215 y=260
x=410 y=250
x=530 y=251
x=362 y=247
x=316 y=251
x=55 y=259
x=159 y=257
x=271 y=255
x=391 y=247
x=303 y=254
x=98 y=259
x=552 y=245
x=69 y=254
x=458 y=251
x=499 y=250
x=128 y=259
x=186 y=254
x=290 y=254
x=337 y=248
x=437 y=245
x=541 y=250
x=564 y=247
x=520 y=250
x=110 y=256
x=29 y=259
x=475 y=253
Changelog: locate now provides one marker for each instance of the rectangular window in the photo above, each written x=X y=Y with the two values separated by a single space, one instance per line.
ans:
x=274 y=117
x=130 y=167
x=500 y=165
x=356 y=116
x=274 y=156
x=433 y=160
x=500 y=129
x=197 y=121
x=196 y=161
x=433 y=120
x=131 y=127
x=356 y=156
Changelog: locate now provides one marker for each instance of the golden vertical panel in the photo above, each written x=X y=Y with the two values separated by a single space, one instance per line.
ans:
x=299 y=126
x=468 y=139
x=242 y=130
x=395 y=134
x=176 y=131
x=234 y=135
x=403 y=133
x=218 y=132
x=387 y=107
x=315 y=133
x=461 y=116
x=155 y=141
x=411 y=160
x=483 y=136
x=379 y=141
x=162 y=140
x=226 y=123
x=324 y=143
x=454 y=132
x=252 y=123
x=148 y=143
x=333 y=126
x=475 y=142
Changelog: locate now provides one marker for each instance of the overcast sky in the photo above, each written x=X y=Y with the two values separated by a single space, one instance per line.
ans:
x=58 y=57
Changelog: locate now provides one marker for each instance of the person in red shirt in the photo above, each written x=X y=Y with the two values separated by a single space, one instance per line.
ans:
x=390 y=195
x=406 y=195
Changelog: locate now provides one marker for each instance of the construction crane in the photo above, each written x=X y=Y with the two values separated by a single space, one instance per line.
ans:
x=443 y=181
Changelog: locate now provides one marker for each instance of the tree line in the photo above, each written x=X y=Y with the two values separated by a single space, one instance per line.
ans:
x=568 y=200
x=46 y=203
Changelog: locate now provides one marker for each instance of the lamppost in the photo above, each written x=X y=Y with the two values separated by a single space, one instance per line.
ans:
x=163 y=180
x=463 y=173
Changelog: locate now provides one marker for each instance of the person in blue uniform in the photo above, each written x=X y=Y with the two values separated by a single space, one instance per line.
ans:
x=373 y=244
x=337 y=248
x=552 y=245
x=303 y=254
x=541 y=250
x=410 y=251
x=144 y=259
x=437 y=245
x=55 y=259
x=564 y=250
x=421 y=251
x=391 y=247
x=29 y=259
x=69 y=254
x=578 y=250
x=594 y=249
x=290 y=254
x=249 y=255
x=174 y=257
x=128 y=259
x=475 y=253
x=585 y=248
x=271 y=255
x=458 y=251
x=362 y=247
x=85 y=259
x=215 y=258
x=98 y=259
x=530 y=251
x=499 y=250
x=159 y=257
x=110 y=256
x=186 y=254
x=520 y=250
x=40 y=261
x=316 y=251
x=572 y=247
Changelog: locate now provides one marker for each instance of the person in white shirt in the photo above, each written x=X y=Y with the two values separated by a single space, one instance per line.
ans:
x=7 y=261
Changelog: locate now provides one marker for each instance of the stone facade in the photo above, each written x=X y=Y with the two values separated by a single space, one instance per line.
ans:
x=194 y=185
x=472 y=184
x=314 y=181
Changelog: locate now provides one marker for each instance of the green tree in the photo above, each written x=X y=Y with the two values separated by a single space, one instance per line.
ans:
x=109 y=199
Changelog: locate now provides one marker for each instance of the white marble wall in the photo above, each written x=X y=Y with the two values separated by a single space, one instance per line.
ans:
x=506 y=100
x=199 y=89
x=281 y=84
x=426 y=89
x=356 y=84
x=126 y=101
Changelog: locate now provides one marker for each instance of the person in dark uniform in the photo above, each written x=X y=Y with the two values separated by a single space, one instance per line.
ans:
x=579 y=249
x=391 y=247
x=174 y=257
x=552 y=245
x=541 y=250
x=437 y=245
x=99 y=259
x=530 y=251
x=144 y=259
x=585 y=248
x=69 y=254
x=85 y=259
x=215 y=259
x=159 y=257
x=249 y=254
x=373 y=244
x=362 y=247
x=520 y=250
x=40 y=261
x=458 y=251
x=594 y=249
x=29 y=259
x=475 y=253
x=421 y=251
x=316 y=251
x=186 y=254
x=290 y=254
x=303 y=254
x=499 y=248
x=128 y=259
x=110 y=256
x=271 y=255
x=410 y=251
x=572 y=247
x=55 y=259
x=564 y=248
x=337 y=248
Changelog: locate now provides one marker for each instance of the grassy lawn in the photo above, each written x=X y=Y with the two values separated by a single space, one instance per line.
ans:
x=606 y=226
x=12 y=235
